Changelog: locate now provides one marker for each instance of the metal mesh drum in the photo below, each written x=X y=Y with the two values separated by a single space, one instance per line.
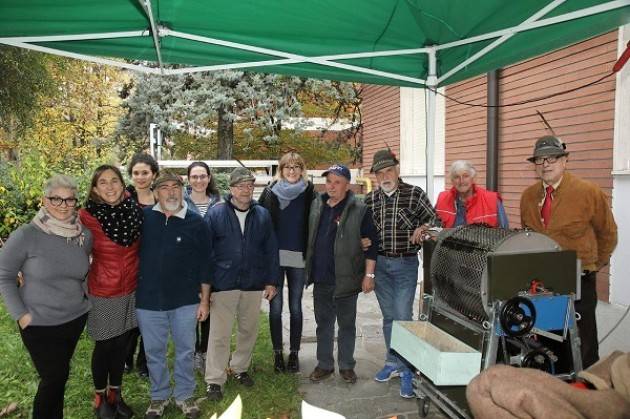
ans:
x=459 y=264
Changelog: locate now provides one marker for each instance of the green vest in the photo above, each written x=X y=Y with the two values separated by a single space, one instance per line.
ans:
x=349 y=256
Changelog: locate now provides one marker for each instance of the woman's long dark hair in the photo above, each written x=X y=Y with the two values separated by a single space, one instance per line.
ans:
x=93 y=196
x=146 y=159
x=211 y=189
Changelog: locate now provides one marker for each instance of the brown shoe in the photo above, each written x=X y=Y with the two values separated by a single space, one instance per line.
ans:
x=320 y=374
x=348 y=376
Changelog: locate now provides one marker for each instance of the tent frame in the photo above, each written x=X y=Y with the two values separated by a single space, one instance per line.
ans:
x=157 y=32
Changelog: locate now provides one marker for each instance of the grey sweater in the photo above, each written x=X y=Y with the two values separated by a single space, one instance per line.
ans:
x=54 y=272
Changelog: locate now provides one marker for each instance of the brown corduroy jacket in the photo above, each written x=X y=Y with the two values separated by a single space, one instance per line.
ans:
x=581 y=219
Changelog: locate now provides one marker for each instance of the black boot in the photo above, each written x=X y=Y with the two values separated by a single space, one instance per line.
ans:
x=141 y=361
x=122 y=409
x=102 y=409
x=294 y=362
x=278 y=362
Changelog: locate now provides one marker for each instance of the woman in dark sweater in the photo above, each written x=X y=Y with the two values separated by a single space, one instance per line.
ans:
x=115 y=220
x=50 y=306
x=288 y=199
x=143 y=170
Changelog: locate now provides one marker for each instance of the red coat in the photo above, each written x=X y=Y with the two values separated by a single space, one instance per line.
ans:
x=481 y=207
x=114 y=268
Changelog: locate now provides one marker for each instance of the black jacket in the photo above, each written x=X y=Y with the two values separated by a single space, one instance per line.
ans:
x=269 y=200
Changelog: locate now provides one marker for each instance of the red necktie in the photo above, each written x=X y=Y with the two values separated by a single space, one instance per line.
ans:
x=545 y=212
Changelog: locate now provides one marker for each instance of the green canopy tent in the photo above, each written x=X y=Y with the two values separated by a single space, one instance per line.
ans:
x=414 y=43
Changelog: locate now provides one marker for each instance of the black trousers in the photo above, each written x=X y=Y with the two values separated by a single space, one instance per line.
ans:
x=587 y=325
x=108 y=361
x=202 y=335
x=132 y=343
x=51 y=349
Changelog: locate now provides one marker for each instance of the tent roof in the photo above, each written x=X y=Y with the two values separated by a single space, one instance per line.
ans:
x=396 y=42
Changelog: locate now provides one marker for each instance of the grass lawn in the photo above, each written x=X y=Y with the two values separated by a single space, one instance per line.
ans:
x=273 y=395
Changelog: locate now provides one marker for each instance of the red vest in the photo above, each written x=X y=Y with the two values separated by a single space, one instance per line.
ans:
x=481 y=207
x=114 y=268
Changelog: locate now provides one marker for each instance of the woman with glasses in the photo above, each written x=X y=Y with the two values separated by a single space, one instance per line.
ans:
x=143 y=170
x=49 y=304
x=468 y=203
x=115 y=220
x=201 y=195
x=288 y=199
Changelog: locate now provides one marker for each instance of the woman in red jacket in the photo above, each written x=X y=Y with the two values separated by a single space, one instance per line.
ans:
x=115 y=220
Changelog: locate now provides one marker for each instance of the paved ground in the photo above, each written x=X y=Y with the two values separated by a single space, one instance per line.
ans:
x=367 y=398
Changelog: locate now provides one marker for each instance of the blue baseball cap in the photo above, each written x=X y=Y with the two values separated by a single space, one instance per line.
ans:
x=339 y=170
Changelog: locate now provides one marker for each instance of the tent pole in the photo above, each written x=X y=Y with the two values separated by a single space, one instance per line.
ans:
x=430 y=122
x=146 y=5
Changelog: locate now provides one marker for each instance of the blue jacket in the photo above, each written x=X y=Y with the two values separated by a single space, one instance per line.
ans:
x=246 y=262
x=174 y=260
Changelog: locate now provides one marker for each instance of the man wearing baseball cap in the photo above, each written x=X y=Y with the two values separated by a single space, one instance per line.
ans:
x=340 y=269
x=402 y=213
x=575 y=213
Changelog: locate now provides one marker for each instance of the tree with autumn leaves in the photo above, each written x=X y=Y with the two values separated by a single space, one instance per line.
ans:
x=62 y=115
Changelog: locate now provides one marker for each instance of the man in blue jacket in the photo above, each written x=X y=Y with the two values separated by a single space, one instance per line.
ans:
x=244 y=269
x=174 y=269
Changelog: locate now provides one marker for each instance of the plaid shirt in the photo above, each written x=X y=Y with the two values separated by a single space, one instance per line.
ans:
x=397 y=216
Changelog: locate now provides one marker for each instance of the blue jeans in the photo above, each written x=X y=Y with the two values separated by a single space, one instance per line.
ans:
x=328 y=309
x=155 y=327
x=295 y=284
x=395 y=288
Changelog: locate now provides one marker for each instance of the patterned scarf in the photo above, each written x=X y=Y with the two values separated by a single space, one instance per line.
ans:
x=287 y=192
x=72 y=229
x=121 y=223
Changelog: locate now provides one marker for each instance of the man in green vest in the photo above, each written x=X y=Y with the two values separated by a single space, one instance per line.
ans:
x=340 y=269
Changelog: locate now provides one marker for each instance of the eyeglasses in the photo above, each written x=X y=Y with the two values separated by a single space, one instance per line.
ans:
x=292 y=168
x=198 y=177
x=57 y=201
x=538 y=161
x=244 y=186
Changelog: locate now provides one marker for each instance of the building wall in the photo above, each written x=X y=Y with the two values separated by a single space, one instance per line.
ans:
x=583 y=119
x=620 y=264
x=395 y=117
x=381 y=121
x=466 y=126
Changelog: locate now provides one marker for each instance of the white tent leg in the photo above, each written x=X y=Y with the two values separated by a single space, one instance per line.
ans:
x=430 y=124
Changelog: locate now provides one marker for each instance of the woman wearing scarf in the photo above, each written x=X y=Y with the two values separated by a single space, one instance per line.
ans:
x=288 y=199
x=201 y=195
x=50 y=306
x=115 y=220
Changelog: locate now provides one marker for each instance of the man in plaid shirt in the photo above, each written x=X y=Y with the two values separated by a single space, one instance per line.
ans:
x=401 y=214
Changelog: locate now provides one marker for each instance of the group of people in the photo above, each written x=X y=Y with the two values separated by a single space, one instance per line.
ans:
x=162 y=259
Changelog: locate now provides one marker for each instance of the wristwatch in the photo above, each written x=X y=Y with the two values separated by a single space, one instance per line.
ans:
x=370 y=276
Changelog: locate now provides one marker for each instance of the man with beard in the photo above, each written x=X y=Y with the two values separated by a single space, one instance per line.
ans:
x=174 y=269
x=401 y=214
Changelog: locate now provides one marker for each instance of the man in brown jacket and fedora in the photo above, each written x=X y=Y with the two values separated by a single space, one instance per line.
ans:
x=575 y=213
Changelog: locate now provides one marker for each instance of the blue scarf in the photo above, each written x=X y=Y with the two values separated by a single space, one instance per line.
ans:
x=287 y=192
